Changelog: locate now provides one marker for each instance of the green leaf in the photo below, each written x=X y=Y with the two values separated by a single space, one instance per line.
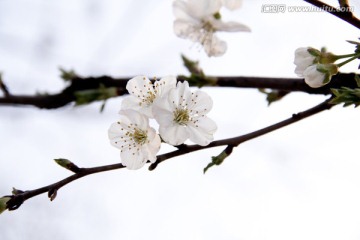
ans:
x=67 y=75
x=192 y=66
x=273 y=95
x=197 y=76
x=91 y=95
x=347 y=96
x=353 y=42
x=357 y=79
x=16 y=191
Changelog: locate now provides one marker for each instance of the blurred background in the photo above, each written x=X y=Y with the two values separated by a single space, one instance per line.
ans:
x=301 y=182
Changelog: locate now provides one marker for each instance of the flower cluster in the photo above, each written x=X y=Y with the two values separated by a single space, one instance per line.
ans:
x=180 y=113
x=317 y=67
x=198 y=20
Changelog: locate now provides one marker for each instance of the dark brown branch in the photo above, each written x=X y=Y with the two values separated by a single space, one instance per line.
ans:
x=346 y=16
x=20 y=197
x=4 y=88
x=233 y=142
x=66 y=96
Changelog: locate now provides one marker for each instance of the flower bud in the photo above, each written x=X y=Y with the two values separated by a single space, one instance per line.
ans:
x=67 y=164
x=320 y=74
x=305 y=57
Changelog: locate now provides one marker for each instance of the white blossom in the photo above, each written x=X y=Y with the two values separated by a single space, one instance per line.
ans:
x=318 y=75
x=137 y=141
x=181 y=115
x=143 y=93
x=197 y=21
x=313 y=77
x=303 y=59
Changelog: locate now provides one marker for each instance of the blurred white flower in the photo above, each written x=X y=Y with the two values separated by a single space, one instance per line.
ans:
x=232 y=4
x=318 y=75
x=181 y=115
x=143 y=93
x=198 y=20
x=137 y=141
x=303 y=59
x=213 y=46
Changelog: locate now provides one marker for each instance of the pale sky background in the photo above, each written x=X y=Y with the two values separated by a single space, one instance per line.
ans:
x=301 y=182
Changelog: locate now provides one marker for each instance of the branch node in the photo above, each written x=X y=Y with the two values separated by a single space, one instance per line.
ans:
x=52 y=193
x=3 y=87
x=217 y=160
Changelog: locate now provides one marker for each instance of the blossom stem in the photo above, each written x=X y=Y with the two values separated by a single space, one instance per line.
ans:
x=345 y=56
x=348 y=60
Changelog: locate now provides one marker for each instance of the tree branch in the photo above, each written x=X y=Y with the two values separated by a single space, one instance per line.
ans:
x=19 y=197
x=346 y=16
x=234 y=142
x=67 y=95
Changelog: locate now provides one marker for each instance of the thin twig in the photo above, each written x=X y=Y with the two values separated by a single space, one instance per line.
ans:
x=243 y=138
x=18 y=199
x=346 y=16
x=21 y=196
x=4 y=88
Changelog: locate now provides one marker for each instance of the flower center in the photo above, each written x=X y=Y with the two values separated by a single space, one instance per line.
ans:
x=181 y=116
x=150 y=98
x=139 y=136
x=208 y=27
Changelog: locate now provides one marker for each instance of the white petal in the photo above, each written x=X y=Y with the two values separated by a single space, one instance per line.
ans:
x=175 y=134
x=133 y=160
x=302 y=64
x=135 y=118
x=313 y=77
x=134 y=103
x=162 y=111
x=115 y=133
x=163 y=117
x=164 y=85
x=179 y=95
x=186 y=29
x=232 y=4
x=230 y=26
x=130 y=102
x=202 y=132
x=152 y=148
x=214 y=47
x=302 y=52
x=180 y=10
x=139 y=85
x=200 y=103
x=302 y=60
x=203 y=8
